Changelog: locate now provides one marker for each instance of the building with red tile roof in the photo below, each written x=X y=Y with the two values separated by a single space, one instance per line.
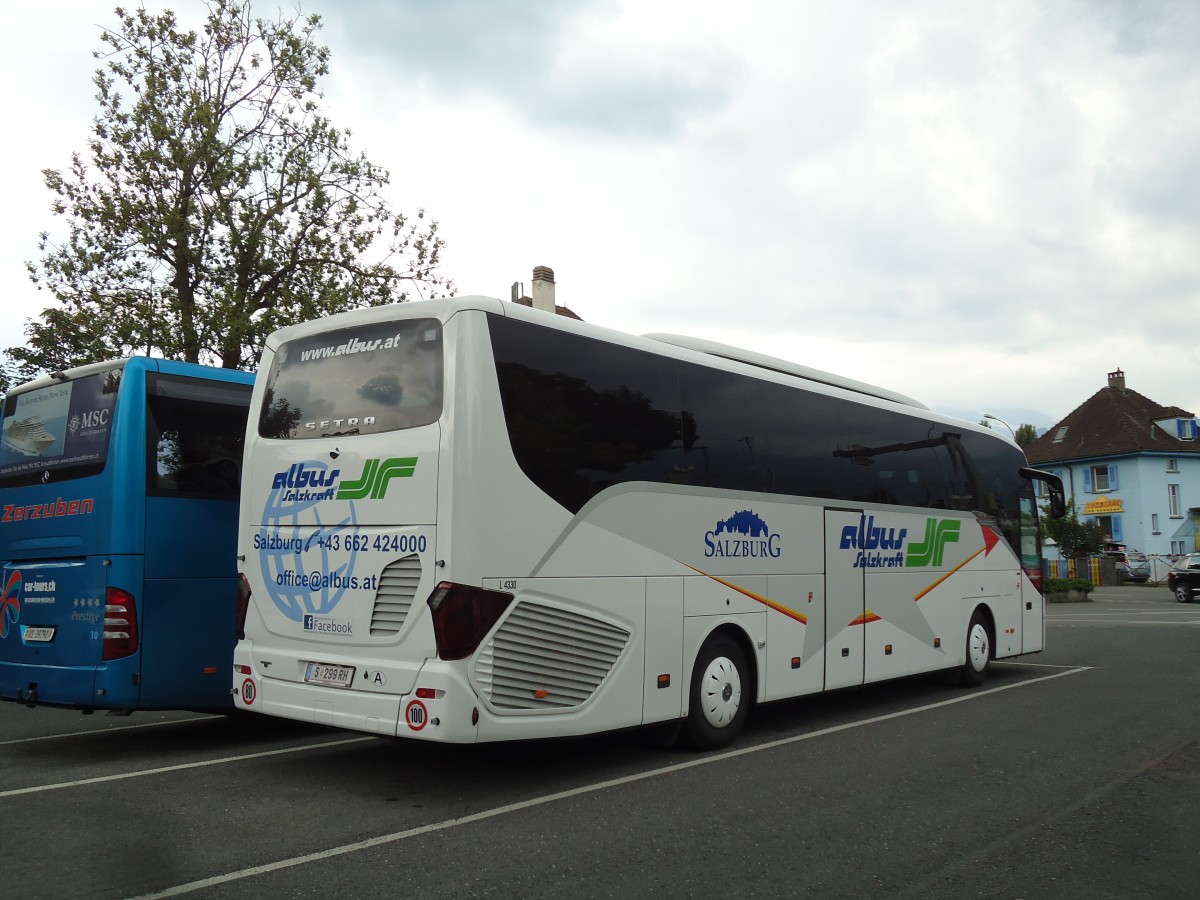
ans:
x=543 y=294
x=1131 y=464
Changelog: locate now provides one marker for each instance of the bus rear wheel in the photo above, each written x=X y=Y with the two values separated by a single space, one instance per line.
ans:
x=979 y=652
x=720 y=694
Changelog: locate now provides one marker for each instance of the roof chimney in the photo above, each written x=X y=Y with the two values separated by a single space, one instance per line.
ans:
x=543 y=288
x=1116 y=380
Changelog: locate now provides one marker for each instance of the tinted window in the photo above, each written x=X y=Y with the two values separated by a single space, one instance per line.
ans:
x=61 y=430
x=195 y=431
x=582 y=423
x=584 y=414
x=363 y=380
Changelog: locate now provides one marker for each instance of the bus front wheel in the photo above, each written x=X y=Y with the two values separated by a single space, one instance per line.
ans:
x=720 y=694
x=979 y=652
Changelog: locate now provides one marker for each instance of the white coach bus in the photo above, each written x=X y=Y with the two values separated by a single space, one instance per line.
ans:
x=466 y=520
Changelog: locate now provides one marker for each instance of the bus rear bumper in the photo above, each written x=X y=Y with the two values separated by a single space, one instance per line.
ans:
x=442 y=707
x=339 y=707
x=111 y=686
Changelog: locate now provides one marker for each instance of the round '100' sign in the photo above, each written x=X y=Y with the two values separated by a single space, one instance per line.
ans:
x=416 y=715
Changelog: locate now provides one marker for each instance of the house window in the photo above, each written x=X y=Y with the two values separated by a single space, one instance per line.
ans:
x=1111 y=525
x=1173 y=501
x=1172 y=465
x=1100 y=479
x=1154 y=523
x=1060 y=434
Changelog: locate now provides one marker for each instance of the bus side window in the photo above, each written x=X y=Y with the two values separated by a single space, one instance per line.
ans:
x=195 y=447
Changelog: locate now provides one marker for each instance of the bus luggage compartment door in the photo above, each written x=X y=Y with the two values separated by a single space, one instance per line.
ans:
x=844 y=604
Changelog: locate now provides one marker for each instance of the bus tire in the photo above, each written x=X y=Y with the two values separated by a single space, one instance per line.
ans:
x=720 y=695
x=979 y=652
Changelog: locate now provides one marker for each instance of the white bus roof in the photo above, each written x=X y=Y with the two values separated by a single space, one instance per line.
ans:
x=774 y=364
x=443 y=308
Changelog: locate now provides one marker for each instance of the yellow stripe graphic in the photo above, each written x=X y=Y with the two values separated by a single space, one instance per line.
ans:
x=765 y=601
x=948 y=574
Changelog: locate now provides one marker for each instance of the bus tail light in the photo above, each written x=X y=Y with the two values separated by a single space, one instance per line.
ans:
x=243 y=606
x=120 y=625
x=1035 y=575
x=462 y=617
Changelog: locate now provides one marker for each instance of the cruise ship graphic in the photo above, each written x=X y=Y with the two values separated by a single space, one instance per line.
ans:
x=29 y=436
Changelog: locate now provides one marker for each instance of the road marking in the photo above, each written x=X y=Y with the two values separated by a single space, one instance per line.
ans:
x=182 y=766
x=1071 y=623
x=970 y=860
x=74 y=734
x=1022 y=664
x=447 y=824
x=1122 y=612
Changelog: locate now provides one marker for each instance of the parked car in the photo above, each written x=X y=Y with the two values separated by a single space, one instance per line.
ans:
x=1183 y=580
x=1137 y=567
x=1133 y=567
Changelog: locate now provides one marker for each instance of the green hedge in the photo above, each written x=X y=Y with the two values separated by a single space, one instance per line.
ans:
x=1062 y=585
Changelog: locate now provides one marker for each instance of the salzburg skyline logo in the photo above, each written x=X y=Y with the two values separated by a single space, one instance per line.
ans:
x=743 y=535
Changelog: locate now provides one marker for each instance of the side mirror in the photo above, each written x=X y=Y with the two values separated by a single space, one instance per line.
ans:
x=1054 y=487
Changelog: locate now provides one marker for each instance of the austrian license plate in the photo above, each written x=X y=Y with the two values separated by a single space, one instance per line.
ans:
x=329 y=675
x=38 y=634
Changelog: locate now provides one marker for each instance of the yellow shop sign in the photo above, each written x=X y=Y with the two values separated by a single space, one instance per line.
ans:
x=1105 y=506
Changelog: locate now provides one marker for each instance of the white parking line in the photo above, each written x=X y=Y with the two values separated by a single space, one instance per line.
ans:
x=181 y=766
x=576 y=792
x=1022 y=663
x=1122 y=612
x=74 y=734
x=1088 y=620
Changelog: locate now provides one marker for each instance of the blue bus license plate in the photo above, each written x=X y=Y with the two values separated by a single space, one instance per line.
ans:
x=329 y=675
x=38 y=634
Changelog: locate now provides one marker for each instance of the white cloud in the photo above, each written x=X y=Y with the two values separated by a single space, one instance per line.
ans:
x=986 y=206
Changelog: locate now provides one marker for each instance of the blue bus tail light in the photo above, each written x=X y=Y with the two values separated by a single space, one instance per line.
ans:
x=462 y=617
x=243 y=606
x=120 y=625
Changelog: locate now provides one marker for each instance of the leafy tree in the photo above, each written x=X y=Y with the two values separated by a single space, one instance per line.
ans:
x=1074 y=538
x=217 y=203
x=1026 y=435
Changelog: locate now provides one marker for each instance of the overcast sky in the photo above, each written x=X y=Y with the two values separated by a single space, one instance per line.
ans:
x=986 y=206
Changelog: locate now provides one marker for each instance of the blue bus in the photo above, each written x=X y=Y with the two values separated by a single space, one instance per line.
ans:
x=119 y=485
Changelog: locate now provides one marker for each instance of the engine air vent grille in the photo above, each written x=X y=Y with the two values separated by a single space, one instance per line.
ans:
x=543 y=657
x=397 y=587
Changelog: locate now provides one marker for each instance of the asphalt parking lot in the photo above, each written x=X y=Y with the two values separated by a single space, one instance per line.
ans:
x=1070 y=773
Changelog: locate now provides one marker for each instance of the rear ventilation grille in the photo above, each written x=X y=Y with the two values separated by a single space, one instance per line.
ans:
x=547 y=658
x=397 y=587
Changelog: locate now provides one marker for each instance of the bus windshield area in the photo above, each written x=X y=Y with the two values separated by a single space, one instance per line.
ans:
x=59 y=430
x=363 y=380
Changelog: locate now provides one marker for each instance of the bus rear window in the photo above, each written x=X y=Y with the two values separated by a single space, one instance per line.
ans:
x=363 y=380
x=58 y=431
